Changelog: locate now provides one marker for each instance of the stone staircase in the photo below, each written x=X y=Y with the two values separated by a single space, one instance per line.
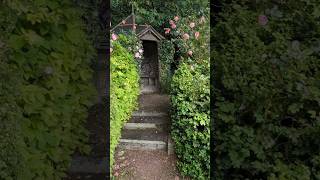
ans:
x=148 y=128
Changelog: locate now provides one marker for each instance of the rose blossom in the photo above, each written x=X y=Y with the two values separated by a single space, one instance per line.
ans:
x=186 y=36
x=192 y=25
x=176 y=18
x=262 y=20
x=111 y=49
x=137 y=55
x=196 y=35
x=173 y=26
x=190 y=53
x=114 y=36
x=140 y=51
x=167 y=30
x=171 y=22
x=123 y=22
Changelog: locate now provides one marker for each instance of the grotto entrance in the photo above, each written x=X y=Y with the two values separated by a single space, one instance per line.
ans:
x=149 y=69
x=149 y=72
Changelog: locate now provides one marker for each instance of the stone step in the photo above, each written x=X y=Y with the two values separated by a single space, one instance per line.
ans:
x=133 y=144
x=144 y=126
x=149 y=114
x=144 y=139
x=144 y=134
x=150 y=119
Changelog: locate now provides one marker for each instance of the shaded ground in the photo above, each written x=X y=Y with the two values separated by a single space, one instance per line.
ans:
x=145 y=165
x=154 y=102
x=97 y=125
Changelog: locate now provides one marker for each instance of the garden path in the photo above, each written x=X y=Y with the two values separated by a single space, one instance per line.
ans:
x=145 y=150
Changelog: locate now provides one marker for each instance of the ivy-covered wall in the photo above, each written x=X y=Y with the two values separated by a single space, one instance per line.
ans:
x=267 y=97
x=45 y=87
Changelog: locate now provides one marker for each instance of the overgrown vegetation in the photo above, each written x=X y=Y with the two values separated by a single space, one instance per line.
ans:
x=190 y=101
x=124 y=91
x=45 y=87
x=190 y=94
x=267 y=90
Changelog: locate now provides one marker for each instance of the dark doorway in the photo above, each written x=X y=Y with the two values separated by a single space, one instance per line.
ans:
x=150 y=68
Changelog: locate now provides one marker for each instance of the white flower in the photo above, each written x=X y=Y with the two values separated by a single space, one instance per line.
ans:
x=140 y=51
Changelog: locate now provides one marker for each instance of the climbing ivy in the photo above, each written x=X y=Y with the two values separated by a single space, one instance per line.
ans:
x=45 y=87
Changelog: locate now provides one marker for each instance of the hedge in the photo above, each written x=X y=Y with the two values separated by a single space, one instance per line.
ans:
x=267 y=90
x=45 y=88
x=190 y=101
x=124 y=91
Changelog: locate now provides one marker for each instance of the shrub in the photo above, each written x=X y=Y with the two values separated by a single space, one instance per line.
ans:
x=45 y=88
x=267 y=90
x=124 y=89
x=190 y=100
x=166 y=58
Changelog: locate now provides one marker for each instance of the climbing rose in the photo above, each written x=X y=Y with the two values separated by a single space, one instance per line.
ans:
x=186 y=36
x=173 y=26
x=171 y=22
x=134 y=27
x=190 y=53
x=196 y=35
x=114 y=36
x=111 y=49
x=192 y=25
x=167 y=30
x=123 y=22
x=176 y=18
x=116 y=174
x=262 y=20
x=140 y=51
x=137 y=55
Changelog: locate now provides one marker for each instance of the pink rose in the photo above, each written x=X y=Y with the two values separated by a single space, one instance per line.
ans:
x=137 y=55
x=196 y=35
x=167 y=30
x=116 y=174
x=114 y=37
x=186 y=36
x=171 y=22
x=176 y=18
x=140 y=50
x=134 y=27
x=173 y=26
x=190 y=53
x=192 y=25
x=262 y=20
x=123 y=22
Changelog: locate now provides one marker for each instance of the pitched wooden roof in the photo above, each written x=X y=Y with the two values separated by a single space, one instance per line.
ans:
x=144 y=32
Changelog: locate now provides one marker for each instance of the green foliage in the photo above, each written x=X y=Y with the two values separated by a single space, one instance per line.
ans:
x=267 y=90
x=190 y=100
x=124 y=89
x=166 y=58
x=156 y=12
x=45 y=88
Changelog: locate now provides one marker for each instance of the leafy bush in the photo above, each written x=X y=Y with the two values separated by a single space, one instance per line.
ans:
x=190 y=100
x=166 y=58
x=267 y=90
x=124 y=89
x=45 y=88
